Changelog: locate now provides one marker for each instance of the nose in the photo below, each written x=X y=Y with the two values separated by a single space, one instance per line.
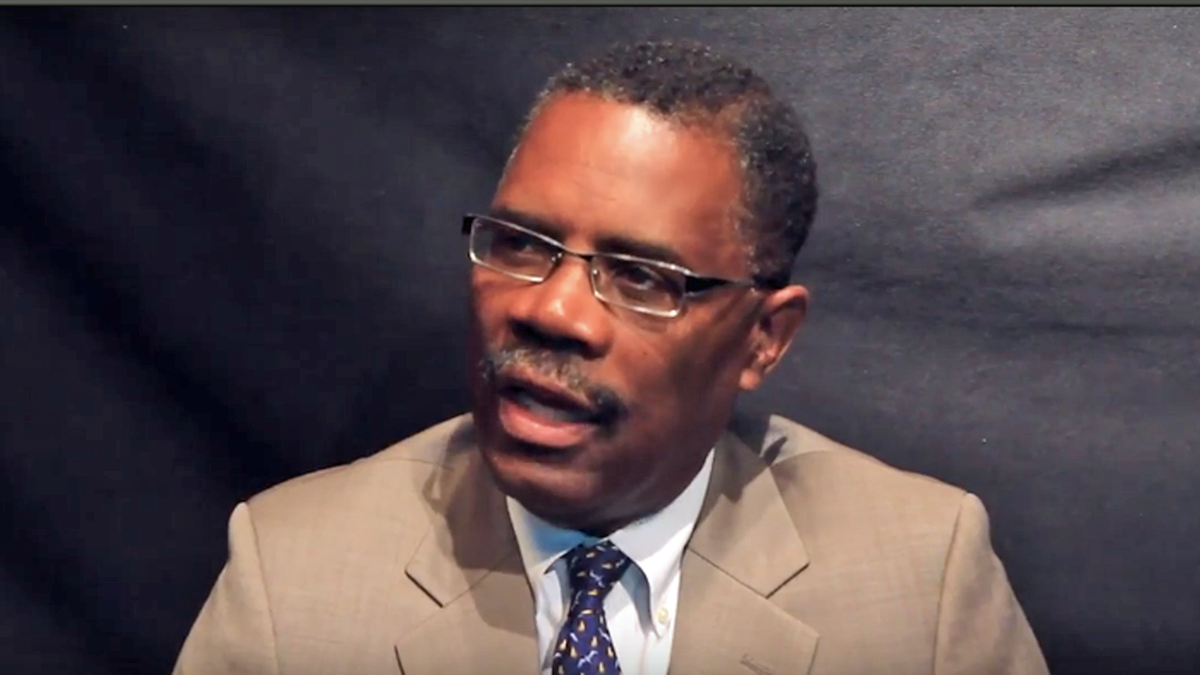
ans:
x=562 y=314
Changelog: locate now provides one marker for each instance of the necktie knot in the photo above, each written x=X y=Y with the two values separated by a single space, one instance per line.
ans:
x=594 y=570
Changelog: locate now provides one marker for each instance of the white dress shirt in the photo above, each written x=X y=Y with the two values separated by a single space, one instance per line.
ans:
x=640 y=610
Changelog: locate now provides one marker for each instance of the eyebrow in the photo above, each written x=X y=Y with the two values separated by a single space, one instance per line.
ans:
x=605 y=243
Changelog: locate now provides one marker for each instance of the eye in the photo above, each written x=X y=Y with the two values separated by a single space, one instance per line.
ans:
x=640 y=280
x=511 y=241
x=515 y=246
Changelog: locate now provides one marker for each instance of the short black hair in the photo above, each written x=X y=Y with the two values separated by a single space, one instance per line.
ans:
x=691 y=84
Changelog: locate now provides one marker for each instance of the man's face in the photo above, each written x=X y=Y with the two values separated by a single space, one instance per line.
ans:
x=603 y=176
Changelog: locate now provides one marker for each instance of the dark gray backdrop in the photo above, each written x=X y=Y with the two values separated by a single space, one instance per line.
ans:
x=230 y=256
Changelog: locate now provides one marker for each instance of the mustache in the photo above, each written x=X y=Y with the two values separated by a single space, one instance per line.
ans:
x=564 y=370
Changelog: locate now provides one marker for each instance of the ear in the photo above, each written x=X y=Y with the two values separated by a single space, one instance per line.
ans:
x=780 y=317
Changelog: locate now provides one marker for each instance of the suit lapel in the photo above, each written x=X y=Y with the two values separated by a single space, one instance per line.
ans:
x=469 y=563
x=488 y=630
x=744 y=548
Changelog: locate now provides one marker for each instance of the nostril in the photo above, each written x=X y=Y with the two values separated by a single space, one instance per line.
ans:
x=536 y=338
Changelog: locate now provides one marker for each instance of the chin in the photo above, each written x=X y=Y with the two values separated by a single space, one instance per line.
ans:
x=547 y=482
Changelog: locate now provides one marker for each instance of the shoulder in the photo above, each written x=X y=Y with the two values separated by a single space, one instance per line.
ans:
x=832 y=489
x=386 y=486
x=326 y=549
x=799 y=455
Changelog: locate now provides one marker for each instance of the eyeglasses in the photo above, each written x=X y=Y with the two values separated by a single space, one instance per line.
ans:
x=647 y=286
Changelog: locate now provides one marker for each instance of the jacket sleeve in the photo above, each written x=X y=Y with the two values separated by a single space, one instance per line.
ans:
x=233 y=634
x=982 y=629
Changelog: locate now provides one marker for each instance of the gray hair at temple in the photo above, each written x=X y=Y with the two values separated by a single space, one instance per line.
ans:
x=690 y=84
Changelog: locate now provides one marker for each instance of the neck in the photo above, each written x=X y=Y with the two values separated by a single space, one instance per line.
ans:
x=654 y=500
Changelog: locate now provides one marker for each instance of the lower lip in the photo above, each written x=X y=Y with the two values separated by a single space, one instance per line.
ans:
x=525 y=425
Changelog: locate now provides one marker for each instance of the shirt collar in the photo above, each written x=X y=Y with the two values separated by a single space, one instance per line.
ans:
x=655 y=543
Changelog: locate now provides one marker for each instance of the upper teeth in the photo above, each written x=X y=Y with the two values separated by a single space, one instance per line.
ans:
x=553 y=413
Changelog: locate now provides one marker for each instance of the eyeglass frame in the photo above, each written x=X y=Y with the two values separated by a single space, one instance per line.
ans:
x=691 y=279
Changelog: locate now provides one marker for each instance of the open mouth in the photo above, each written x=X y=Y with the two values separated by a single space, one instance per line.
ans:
x=552 y=406
x=545 y=416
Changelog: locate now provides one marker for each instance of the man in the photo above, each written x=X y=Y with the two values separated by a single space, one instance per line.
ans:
x=596 y=513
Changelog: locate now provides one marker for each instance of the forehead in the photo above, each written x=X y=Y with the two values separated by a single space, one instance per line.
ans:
x=597 y=169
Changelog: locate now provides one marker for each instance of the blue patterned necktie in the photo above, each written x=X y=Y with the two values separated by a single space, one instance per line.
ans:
x=584 y=646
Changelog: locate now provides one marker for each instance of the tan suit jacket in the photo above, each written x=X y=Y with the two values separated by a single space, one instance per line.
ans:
x=808 y=557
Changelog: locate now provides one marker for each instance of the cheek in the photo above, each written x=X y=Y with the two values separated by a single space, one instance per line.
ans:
x=486 y=308
x=678 y=373
x=711 y=364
